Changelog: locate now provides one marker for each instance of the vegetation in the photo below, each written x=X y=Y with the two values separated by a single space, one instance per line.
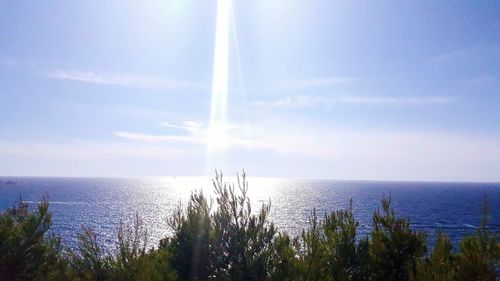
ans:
x=225 y=240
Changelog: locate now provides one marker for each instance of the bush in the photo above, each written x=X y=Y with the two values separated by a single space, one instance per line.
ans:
x=394 y=248
x=476 y=260
x=243 y=242
x=440 y=265
x=342 y=258
x=26 y=251
x=230 y=242
x=190 y=245
x=89 y=262
x=479 y=254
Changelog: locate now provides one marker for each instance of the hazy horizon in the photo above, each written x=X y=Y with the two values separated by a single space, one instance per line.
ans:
x=232 y=178
x=315 y=89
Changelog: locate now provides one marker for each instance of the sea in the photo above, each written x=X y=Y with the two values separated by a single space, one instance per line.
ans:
x=105 y=203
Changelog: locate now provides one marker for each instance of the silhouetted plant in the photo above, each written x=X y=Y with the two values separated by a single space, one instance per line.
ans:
x=190 y=245
x=232 y=243
x=329 y=249
x=341 y=250
x=89 y=261
x=284 y=262
x=479 y=254
x=26 y=251
x=394 y=248
x=130 y=262
x=440 y=265
x=311 y=252
x=242 y=241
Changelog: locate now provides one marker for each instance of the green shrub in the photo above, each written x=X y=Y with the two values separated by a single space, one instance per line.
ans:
x=312 y=251
x=26 y=251
x=230 y=242
x=88 y=261
x=440 y=265
x=479 y=253
x=190 y=246
x=342 y=258
x=475 y=260
x=394 y=248
x=284 y=262
x=242 y=241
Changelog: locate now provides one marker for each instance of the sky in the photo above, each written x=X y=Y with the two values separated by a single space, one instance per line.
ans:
x=365 y=90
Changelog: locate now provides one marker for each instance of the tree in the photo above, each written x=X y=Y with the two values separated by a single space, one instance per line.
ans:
x=479 y=253
x=27 y=252
x=242 y=241
x=440 y=265
x=190 y=245
x=341 y=249
x=394 y=248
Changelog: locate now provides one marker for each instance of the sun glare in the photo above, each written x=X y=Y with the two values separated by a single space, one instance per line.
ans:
x=218 y=110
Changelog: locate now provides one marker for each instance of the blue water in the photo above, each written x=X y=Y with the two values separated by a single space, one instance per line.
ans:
x=102 y=203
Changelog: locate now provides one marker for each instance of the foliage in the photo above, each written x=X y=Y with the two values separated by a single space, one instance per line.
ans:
x=476 y=260
x=440 y=265
x=89 y=261
x=190 y=245
x=243 y=242
x=394 y=248
x=229 y=244
x=479 y=254
x=342 y=253
x=229 y=241
x=26 y=251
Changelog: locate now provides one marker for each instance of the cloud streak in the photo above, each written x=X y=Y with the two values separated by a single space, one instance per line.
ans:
x=482 y=52
x=304 y=151
x=304 y=101
x=85 y=150
x=158 y=138
x=311 y=83
x=189 y=126
x=231 y=142
x=237 y=137
x=449 y=56
x=124 y=80
x=83 y=158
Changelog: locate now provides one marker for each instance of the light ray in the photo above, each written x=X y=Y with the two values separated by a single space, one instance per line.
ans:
x=218 y=110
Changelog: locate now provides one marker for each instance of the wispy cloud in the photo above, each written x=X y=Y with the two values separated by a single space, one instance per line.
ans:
x=314 y=101
x=231 y=141
x=11 y=62
x=158 y=138
x=189 y=126
x=451 y=55
x=122 y=79
x=85 y=150
x=344 y=153
x=83 y=158
x=236 y=136
x=484 y=80
x=310 y=83
x=305 y=151
x=483 y=52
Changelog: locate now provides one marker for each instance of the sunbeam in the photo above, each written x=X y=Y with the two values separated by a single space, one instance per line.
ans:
x=218 y=110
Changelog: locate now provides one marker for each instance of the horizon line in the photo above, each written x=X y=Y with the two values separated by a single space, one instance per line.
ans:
x=249 y=177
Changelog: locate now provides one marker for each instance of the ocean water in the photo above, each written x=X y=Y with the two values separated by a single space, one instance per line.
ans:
x=102 y=203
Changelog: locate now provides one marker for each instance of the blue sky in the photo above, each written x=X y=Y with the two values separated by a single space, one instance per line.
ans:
x=317 y=89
